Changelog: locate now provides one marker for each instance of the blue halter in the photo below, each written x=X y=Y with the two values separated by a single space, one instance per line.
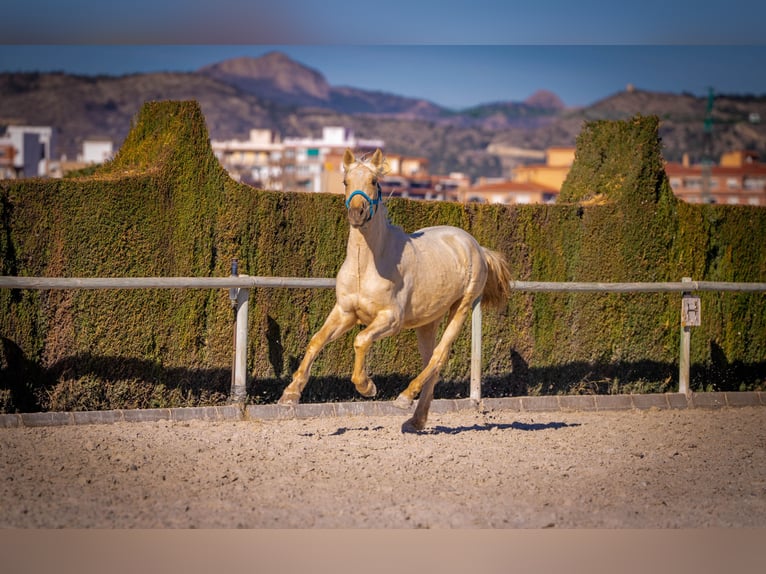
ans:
x=373 y=202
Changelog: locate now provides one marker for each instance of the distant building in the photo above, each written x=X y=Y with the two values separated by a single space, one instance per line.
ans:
x=450 y=187
x=395 y=186
x=32 y=150
x=512 y=157
x=413 y=167
x=292 y=164
x=738 y=179
x=7 y=155
x=316 y=165
x=549 y=175
x=96 y=151
x=257 y=160
x=510 y=192
x=530 y=182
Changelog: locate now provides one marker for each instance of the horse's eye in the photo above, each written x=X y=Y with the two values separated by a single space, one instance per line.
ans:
x=374 y=181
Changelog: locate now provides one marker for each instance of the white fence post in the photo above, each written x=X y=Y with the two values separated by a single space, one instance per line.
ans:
x=683 y=361
x=475 y=392
x=239 y=388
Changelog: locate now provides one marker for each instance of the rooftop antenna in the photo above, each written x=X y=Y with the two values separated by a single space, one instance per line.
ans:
x=707 y=152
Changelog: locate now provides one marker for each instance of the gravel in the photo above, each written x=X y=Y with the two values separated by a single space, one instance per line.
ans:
x=655 y=468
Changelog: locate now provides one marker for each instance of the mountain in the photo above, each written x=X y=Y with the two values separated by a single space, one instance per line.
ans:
x=276 y=92
x=275 y=76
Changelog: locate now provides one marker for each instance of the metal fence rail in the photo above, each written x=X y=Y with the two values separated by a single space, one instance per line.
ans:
x=683 y=286
x=240 y=285
x=232 y=282
x=248 y=282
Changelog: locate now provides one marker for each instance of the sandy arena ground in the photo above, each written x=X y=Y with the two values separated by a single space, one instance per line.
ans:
x=500 y=469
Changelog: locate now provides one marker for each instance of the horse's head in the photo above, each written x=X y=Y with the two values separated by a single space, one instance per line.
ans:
x=362 y=183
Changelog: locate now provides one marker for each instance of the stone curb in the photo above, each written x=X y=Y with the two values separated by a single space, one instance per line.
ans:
x=216 y=413
x=271 y=412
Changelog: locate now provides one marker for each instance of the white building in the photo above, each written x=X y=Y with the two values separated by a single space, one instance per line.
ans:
x=257 y=160
x=292 y=164
x=305 y=159
x=32 y=149
x=96 y=151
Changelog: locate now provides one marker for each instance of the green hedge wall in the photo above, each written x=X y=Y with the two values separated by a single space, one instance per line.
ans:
x=165 y=207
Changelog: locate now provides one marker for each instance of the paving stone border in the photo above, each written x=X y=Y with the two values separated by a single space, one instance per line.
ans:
x=551 y=403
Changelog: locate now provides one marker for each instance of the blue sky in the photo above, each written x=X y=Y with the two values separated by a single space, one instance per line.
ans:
x=470 y=53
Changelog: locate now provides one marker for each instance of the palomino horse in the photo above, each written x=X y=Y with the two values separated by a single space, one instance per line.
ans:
x=391 y=281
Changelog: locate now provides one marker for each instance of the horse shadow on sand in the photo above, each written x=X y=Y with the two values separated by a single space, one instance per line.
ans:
x=441 y=429
x=518 y=426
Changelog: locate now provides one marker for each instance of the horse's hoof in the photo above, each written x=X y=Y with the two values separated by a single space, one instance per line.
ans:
x=412 y=426
x=370 y=391
x=403 y=402
x=289 y=399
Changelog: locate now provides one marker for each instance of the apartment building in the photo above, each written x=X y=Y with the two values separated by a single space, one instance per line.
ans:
x=256 y=160
x=738 y=179
x=267 y=161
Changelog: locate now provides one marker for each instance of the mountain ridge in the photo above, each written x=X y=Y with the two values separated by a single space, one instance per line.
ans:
x=278 y=93
x=276 y=76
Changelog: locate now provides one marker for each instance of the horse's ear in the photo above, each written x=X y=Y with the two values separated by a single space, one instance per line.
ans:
x=348 y=158
x=380 y=162
x=377 y=158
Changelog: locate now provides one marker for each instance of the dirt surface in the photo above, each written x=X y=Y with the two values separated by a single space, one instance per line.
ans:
x=499 y=469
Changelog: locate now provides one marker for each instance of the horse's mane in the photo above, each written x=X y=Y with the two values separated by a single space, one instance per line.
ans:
x=380 y=171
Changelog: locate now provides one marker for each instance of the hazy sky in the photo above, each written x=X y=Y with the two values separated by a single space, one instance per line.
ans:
x=456 y=53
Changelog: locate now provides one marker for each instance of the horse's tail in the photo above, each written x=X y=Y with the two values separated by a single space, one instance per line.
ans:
x=498 y=288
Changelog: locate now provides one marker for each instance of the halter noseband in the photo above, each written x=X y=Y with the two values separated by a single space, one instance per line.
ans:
x=372 y=202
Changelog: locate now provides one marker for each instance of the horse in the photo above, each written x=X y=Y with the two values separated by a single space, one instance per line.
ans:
x=391 y=281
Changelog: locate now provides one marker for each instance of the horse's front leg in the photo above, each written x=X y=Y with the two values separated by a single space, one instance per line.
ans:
x=386 y=323
x=337 y=323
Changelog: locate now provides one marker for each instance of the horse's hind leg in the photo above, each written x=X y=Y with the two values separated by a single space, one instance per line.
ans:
x=337 y=323
x=426 y=380
x=426 y=343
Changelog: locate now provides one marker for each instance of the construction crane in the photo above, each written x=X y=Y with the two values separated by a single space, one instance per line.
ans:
x=707 y=150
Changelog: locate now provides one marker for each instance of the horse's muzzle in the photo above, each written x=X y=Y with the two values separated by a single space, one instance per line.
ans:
x=360 y=208
x=358 y=215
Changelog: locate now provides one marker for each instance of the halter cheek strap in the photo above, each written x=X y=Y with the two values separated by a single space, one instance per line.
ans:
x=373 y=202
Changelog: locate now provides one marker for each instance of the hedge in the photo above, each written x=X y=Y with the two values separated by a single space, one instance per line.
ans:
x=165 y=207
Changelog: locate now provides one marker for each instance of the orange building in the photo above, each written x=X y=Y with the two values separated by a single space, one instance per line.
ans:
x=551 y=174
x=530 y=183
